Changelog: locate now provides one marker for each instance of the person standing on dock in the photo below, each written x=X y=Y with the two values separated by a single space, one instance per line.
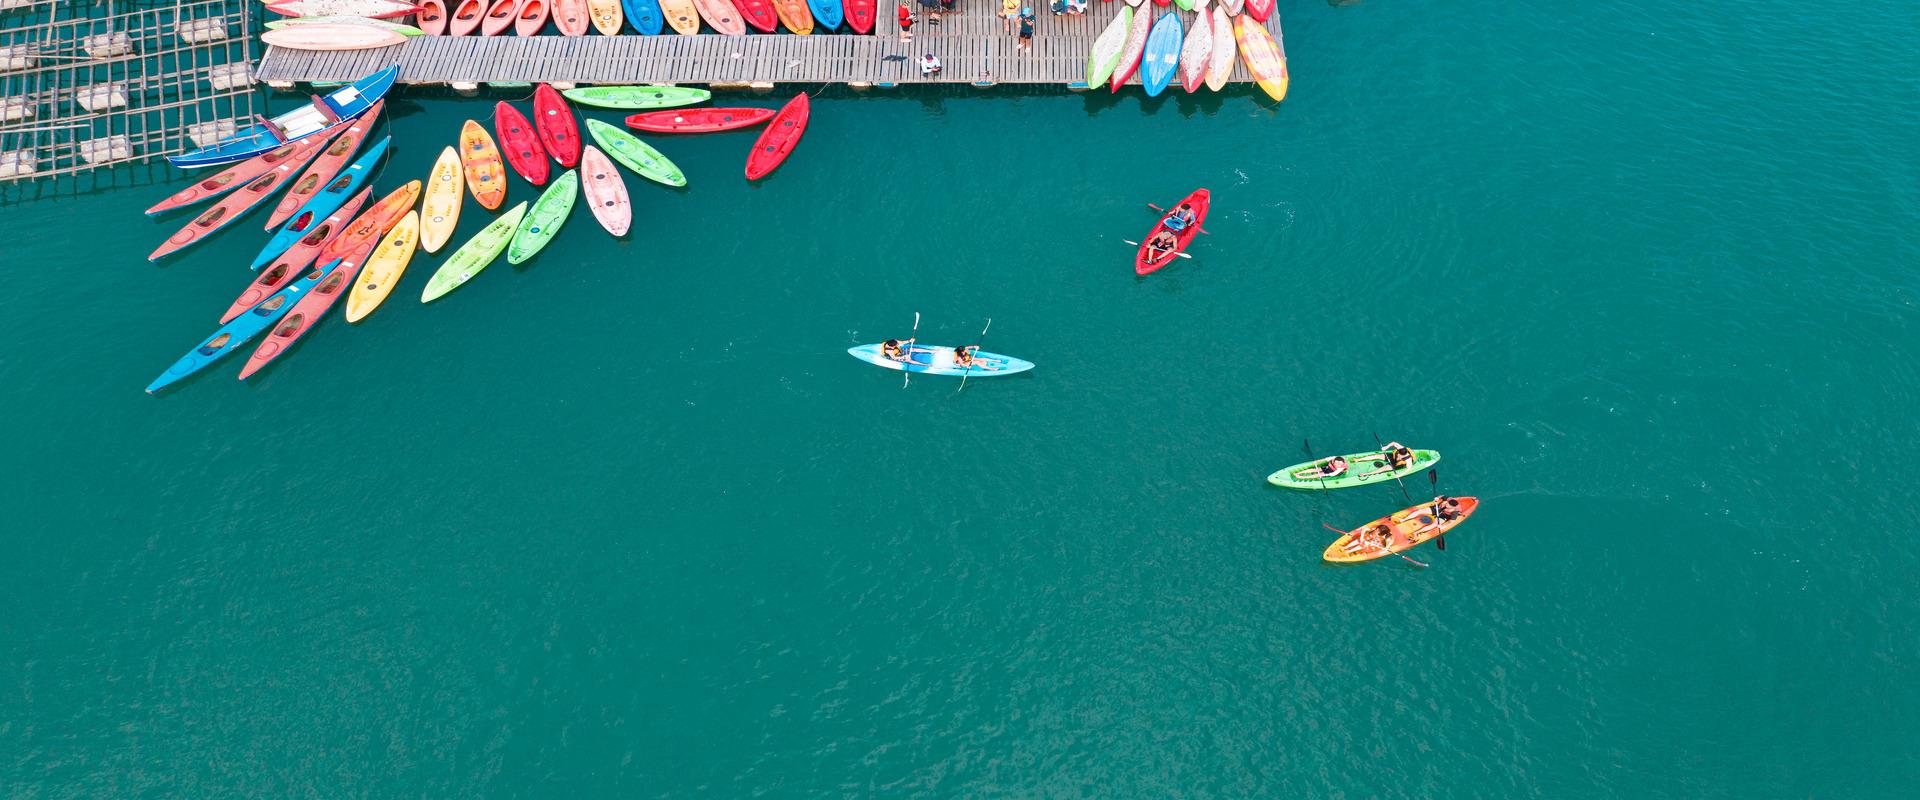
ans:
x=906 y=22
x=1026 y=30
x=1009 y=9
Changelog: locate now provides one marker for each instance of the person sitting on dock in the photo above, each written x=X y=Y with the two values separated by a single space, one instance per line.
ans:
x=930 y=66
x=1180 y=218
x=894 y=349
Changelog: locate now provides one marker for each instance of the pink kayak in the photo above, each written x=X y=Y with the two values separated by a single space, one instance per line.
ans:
x=289 y=265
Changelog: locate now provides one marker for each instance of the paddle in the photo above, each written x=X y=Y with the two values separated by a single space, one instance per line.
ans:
x=907 y=374
x=1433 y=481
x=1319 y=475
x=976 y=357
x=1163 y=211
x=1396 y=473
x=1137 y=244
x=1349 y=533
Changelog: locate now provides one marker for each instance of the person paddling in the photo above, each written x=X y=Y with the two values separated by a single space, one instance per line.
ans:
x=1399 y=457
x=1180 y=218
x=963 y=358
x=1161 y=244
x=1327 y=469
x=894 y=349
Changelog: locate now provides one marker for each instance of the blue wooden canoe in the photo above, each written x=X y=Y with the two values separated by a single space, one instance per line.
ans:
x=240 y=329
x=645 y=15
x=325 y=202
x=930 y=360
x=1162 y=60
x=323 y=113
x=827 y=13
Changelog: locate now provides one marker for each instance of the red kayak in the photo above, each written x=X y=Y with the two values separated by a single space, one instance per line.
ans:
x=235 y=205
x=777 y=141
x=759 y=14
x=520 y=144
x=553 y=118
x=290 y=264
x=860 y=15
x=1145 y=262
x=1259 y=9
x=325 y=167
x=698 y=120
x=237 y=176
x=303 y=316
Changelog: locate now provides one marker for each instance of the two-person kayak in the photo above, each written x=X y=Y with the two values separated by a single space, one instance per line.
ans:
x=935 y=360
x=1172 y=233
x=1401 y=531
x=1354 y=469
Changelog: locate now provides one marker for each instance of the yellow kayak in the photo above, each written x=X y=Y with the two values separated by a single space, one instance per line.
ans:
x=384 y=268
x=1263 y=57
x=1406 y=529
x=440 y=205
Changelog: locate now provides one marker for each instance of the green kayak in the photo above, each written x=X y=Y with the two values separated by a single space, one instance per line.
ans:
x=639 y=156
x=636 y=96
x=548 y=214
x=1362 y=469
x=475 y=255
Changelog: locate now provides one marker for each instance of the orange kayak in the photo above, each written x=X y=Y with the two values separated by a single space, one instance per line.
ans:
x=1406 y=529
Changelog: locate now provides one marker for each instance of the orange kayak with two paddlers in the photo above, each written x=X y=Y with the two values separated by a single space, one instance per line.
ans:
x=1407 y=528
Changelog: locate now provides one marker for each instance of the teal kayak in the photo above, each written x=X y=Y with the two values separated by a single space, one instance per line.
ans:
x=636 y=96
x=548 y=214
x=637 y=155
x=1363 y=469
x=931 y=360
x=477 y=254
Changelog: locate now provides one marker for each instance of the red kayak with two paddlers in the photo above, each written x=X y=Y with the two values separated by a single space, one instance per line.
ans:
x=1165 y=241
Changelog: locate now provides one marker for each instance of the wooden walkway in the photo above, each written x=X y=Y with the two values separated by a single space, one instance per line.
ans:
x=972 y=45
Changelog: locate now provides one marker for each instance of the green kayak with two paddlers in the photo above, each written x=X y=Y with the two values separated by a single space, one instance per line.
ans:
x=1353 y=469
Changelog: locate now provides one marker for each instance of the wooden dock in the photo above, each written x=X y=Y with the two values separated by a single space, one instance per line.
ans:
x=972 y=45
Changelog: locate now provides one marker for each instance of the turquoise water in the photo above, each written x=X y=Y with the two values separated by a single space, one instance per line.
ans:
x=627 y=522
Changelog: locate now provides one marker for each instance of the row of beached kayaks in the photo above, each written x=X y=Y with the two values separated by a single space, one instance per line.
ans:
x=1394 y=533
x=1199 y=53
x=330 y=238
x=364 y=24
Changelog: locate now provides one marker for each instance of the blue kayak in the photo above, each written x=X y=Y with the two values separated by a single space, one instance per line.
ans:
x=320 y=115
x=645 y=15
x=929 y=360
x=324 y=202
x=827 y=13
x=1162 y=59
x=240 y=329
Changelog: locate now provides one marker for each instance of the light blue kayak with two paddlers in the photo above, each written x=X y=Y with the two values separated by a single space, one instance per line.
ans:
x=932 y=360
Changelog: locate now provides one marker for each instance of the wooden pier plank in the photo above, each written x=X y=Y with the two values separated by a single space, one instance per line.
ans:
x=973 y=45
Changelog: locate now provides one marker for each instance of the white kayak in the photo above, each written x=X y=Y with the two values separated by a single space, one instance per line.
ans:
x=1220 y=56
x=1193 y=53
x=934 y=360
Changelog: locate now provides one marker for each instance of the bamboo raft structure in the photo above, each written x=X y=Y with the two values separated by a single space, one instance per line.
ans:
x=85 y=86
x=972 y=45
